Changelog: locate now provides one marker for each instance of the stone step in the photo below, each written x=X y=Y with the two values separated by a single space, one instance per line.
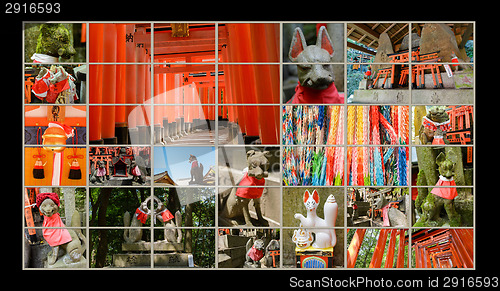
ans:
x=138 y=260
x=158 y=246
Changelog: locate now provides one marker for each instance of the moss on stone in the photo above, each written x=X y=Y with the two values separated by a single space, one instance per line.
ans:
x=55 y=40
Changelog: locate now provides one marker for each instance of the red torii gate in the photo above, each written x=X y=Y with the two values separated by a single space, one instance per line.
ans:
x=185 y=60
x=443 y=248
x=376 y=261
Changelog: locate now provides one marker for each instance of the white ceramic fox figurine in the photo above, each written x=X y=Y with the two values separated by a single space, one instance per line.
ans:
x=325 y=237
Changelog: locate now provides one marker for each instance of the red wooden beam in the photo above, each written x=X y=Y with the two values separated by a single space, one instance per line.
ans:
x=353 y=250
x=401 y=250
x=389 y=257
x=376 y=261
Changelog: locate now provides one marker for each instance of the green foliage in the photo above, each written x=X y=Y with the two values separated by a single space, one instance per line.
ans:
x=368 y=248
x=106 y=242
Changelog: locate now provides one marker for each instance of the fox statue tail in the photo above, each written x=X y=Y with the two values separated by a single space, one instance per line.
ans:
x=330 y=211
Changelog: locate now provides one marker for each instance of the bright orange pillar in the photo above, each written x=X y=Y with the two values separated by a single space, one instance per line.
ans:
x=389 y=258
x=95 y=79
x=120 y=74
x=376 y=261
x=400 y=263
x=353 y=250
x=109 y=83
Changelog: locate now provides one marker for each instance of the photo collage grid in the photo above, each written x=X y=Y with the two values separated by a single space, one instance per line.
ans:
x=249 y=145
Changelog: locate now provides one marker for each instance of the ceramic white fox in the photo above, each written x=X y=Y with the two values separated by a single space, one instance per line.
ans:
x=325 y=237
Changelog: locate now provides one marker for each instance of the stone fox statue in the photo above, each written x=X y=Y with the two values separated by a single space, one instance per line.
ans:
x=316 y=75
x=196 y=170
x=325 y=237
x=234 y=202
x=441 y=196
x=70 y=241
x=54 y=42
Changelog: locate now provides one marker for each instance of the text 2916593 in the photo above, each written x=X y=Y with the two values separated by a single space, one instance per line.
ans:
x=32 y=8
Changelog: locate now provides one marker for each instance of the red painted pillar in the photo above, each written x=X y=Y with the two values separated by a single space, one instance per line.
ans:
x=353 y=250
x=376 y=261
x=389 y=260
x=400 y=263
x=109 y=84
x=95 y=79
x=120 y=73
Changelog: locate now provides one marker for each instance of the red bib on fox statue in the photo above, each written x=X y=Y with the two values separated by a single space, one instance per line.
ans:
x=446 y=193
x=251 y=192
x=304 y=95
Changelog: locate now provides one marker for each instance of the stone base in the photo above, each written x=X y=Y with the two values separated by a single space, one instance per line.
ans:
x=144 y=260
x=442 y=96
x=157 y=246
x=419 y=96
x=65 y=262
x=381 y=96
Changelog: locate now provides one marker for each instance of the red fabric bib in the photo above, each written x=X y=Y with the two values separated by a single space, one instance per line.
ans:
x=250 y=193
x=385 y=215
x=141 y=215
x=255 y=254
x=446 y=193
x=330 y=95
x=57 y=236
x=166 y=215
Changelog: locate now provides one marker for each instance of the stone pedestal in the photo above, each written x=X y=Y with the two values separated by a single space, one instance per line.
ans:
x=159 y=259
x=166 y=254
x=454 y=91
x=65 y=262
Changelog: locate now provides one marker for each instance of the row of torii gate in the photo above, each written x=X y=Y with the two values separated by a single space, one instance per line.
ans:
x=184 y=76
x=433 y=248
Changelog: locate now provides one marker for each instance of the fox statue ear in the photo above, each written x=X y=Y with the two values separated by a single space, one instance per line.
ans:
x=324 y=41
x=316 y=196
x=306 y=196
x=298 y=44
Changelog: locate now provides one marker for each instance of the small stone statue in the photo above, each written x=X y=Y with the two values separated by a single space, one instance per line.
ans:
x=68 y=245
x=441 y=196
x=255 y=252
x=169 y=222
x=141 y=214
x=98 y=174
x=54 y=42
x=434 y=127
x=196 y=171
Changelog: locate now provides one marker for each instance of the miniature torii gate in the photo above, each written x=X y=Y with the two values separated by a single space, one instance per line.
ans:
x=376 y=262
x=443 y=248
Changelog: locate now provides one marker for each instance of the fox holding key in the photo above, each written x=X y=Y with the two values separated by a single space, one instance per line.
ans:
x=316 y=84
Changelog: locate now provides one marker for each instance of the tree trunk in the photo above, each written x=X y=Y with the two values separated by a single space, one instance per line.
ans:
x=102 y=247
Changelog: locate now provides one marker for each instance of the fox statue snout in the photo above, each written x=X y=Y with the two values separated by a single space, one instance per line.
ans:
x=314 y=69
x=320 y=74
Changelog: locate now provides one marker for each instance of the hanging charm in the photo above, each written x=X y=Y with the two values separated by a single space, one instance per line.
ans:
x=38 y=169
x=75 y=173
